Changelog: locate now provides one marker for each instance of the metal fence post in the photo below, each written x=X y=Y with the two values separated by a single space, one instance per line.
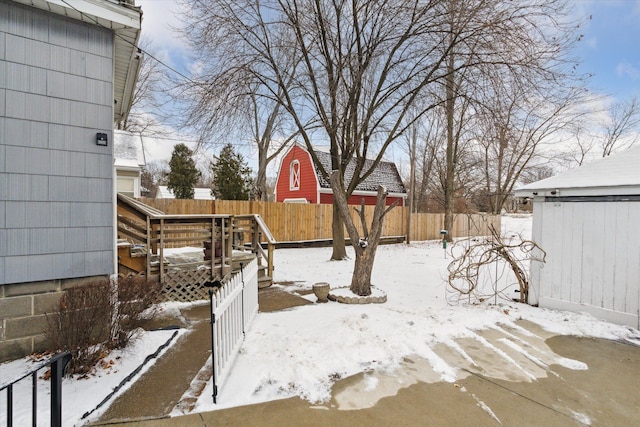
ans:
x=57 y=372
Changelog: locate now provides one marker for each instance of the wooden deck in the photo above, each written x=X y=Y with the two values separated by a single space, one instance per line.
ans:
x=170 y=248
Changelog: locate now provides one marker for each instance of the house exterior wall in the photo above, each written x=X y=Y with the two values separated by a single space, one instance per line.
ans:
x=56 y=184
x=593 y=258
x=308 y=181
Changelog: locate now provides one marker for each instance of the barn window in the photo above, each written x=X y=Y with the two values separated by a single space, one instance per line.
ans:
x=294 y=175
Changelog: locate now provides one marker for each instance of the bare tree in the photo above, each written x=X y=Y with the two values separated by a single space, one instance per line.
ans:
x=513 y=130
x=624 y=124
x=348 y=73
x=147 y=94
x=525 y=43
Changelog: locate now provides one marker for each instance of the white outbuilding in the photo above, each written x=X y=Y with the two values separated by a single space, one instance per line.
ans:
x=587 y=220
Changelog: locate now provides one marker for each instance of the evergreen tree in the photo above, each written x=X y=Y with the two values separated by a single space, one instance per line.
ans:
x=183 y=173
x=231 y=176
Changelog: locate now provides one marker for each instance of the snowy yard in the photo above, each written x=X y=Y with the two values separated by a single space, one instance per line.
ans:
x=305 y=350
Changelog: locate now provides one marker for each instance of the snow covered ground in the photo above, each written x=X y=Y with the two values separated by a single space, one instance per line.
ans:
x=305 y=350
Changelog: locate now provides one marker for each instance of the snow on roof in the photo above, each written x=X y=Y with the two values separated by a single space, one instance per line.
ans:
x=198 y=193
x=617 y=174
x=386 y=174
x=127 y=149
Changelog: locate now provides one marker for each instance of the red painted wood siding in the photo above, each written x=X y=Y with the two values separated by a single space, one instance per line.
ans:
x=308 y=184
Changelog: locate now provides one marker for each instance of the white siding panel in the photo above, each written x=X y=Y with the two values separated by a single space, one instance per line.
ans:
x=2 y=214
x=619 y=251
x=2 y=103
x=596 y=250
x=564 y=228
x=608 y=238
x=2 y=41
x=595 y=266
x=588 y=240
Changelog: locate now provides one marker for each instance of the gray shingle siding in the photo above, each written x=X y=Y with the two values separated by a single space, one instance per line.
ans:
x=56 y=93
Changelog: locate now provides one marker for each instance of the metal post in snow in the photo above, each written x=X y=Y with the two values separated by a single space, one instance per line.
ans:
x=242 y=300
x=444 y=242
x=216 y=284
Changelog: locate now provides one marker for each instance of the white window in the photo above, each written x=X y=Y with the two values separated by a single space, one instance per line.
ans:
x=294 y=175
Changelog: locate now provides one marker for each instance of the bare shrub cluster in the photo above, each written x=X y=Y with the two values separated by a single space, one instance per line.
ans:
x=490 y=260
x=100 y=316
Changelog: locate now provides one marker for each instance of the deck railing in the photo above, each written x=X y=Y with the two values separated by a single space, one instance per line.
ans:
x=152 y=233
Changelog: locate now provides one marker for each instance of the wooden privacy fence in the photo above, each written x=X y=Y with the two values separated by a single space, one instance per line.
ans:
x=298 y=221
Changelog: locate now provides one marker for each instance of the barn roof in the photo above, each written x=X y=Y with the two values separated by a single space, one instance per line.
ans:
x=386 y=174
x=617 y=174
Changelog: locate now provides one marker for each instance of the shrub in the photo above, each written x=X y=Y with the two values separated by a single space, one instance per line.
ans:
x=82 y=324
x=136 y=297
x=89 y=320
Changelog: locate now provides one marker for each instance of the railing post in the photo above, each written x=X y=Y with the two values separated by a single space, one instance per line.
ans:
x=270 y=249
x=57 y=371
x=10 y=405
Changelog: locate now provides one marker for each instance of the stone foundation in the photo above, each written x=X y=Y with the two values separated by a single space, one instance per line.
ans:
x=23 y=308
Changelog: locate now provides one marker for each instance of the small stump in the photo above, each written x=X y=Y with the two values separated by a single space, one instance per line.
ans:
x=321 y=290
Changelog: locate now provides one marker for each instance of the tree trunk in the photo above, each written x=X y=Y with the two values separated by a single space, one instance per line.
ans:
x=337 y=229
x=261 y=178
x=361 y=279
x=366 y=247
x=449 y=187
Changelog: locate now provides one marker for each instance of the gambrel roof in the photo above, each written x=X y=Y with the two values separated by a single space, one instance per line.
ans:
x=385 y=174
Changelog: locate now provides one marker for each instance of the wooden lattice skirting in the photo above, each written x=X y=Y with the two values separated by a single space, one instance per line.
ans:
x=186 y=285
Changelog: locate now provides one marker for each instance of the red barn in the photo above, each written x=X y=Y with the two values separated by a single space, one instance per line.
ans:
x=300 y=181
